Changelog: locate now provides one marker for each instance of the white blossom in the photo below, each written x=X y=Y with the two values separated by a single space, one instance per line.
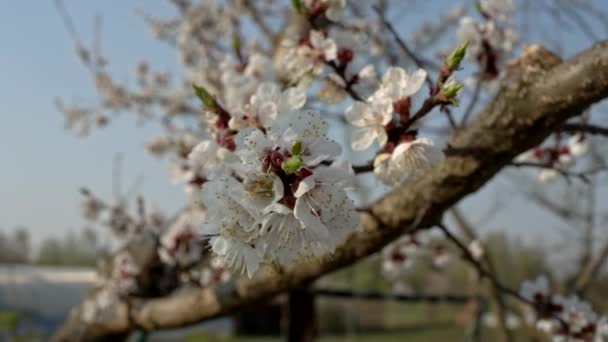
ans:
x=180 y=244
x=369 y=119
x=578 y=145
x=476 y=249
x=232 y=227
x=398 y=257
x=299 y=61
x=398 y=83
x=500 y=9
x=214 y=273
x=322 y=204
x=266 y=104
x=334 y=8
x=124 y=273
x=407 y=159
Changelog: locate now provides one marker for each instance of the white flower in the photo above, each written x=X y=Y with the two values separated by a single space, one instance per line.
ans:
x=468 y=31
x=546 y=175
x=261 y=151
x=322 y=204
x=91 y=207
x=476 y=249
x=214 y=273
x=180 y=243
x=548 y=326
x=398 y=83
x=350 y=38
x=384 y=170
x=500 y=9
x=408 y=158
x=601 y=334
x=288 y=207
x=334 y=8
x=369 y=120
x=399 y=256
x=332 y=91
x=209 y=159
x=124 y=273
x=95 y=308
x=578 y=145
x=299 y=61
x=415 y=155
x=323 y=46
x=441 y=258
x=576 y=313
x=239 y=81
x=231 y=226
x=480 y=35
x=266 y=104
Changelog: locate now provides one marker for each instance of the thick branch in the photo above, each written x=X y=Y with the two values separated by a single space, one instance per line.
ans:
x=538 y=95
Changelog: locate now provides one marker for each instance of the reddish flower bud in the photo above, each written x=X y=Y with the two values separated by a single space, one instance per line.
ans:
x=345 y=55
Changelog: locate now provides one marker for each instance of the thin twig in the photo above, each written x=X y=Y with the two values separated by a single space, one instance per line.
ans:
x=585 y=128
x=474 y=98
x=419 y=61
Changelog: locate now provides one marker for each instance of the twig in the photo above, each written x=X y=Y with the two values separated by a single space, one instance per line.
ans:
x=483 y=272
x=419 y=61
x=585 y=128
x=565 y=173
x=474 y=98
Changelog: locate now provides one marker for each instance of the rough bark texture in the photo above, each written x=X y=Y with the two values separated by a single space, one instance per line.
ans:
x=538 y=95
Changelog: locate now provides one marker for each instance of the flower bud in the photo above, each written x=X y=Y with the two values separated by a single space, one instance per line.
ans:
x=204 y=96
x=453 y=60
x=298 y=6
x=450 y=91
x=236 y=42
x=292 y=164
x=296 y=148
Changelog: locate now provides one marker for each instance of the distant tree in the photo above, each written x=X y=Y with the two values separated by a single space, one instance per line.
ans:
x=15 y=248
x=72 y=250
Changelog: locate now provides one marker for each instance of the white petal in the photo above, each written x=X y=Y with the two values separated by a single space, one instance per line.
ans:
x=303 y=212
x=363 y=137
x=291 y=99
x=305 y=185
x=414 y=83
x=358 y=114
x=382 y=137
x=321 y=150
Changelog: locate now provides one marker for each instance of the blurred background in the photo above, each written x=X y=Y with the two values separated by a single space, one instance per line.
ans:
x=49 y=252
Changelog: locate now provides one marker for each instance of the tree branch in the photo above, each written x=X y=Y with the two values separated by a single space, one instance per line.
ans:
x=585 y=128
x=537 y=96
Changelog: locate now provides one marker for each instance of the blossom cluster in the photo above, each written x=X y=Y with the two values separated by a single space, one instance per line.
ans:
x=491 y=40
x=120 y=281
x=556 y=158
x=289 y=205
x=563 y=318
x=399 y=257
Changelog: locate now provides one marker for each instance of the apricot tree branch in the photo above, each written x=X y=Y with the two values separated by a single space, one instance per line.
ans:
x=538 y=94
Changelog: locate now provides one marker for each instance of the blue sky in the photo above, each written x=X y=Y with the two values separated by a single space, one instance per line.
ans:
x=43 y=165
